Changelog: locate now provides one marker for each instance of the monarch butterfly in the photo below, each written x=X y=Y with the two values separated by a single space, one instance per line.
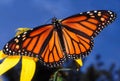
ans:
x=53 y=43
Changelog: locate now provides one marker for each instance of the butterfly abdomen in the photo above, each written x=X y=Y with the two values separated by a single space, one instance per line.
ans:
x=58 y=28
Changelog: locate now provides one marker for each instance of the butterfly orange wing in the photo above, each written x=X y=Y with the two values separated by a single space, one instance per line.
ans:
x=41 y=42
x=79 y=30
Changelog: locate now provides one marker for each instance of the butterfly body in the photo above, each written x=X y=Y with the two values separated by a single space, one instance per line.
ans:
x=53 y=43
x=58 y=28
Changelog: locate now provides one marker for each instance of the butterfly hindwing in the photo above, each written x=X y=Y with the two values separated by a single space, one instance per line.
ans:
x=53 y=55
x=77 y=46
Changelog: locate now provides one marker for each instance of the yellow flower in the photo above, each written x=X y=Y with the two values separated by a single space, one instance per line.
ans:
x=28 y=65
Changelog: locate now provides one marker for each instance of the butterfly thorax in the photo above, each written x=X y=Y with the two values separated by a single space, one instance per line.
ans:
x=56 y=23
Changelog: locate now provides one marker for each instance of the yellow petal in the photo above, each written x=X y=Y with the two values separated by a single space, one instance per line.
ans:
x=21 y=30
x=79 y=62
x=8 y=63
x=2 y=55
x=28 y=68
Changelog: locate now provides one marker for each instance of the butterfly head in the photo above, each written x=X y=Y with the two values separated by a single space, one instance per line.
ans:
x=54 y=20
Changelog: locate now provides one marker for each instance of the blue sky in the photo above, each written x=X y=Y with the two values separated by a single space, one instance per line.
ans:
x=32 y=13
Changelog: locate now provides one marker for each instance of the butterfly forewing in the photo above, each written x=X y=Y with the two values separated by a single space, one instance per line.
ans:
x=29 y=42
